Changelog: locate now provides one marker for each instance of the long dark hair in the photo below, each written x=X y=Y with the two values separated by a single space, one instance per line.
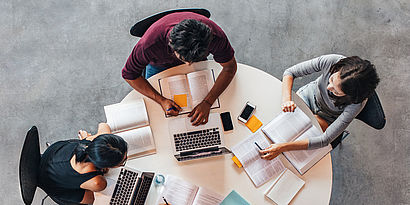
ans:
x=104 y=151
x=358 y=80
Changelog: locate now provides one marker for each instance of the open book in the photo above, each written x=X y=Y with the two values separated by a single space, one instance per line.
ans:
x=179 y=192
x=293 y=126
x=188 y=90
x=259 y=170
x=130 y=121
x=284 y=188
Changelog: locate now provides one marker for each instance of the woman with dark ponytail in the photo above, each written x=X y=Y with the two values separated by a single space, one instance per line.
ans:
x=336 y=97
x=72 y=170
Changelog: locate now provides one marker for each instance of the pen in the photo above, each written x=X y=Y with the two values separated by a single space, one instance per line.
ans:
x=165 y=200
x=171 y=108
x=258 y=146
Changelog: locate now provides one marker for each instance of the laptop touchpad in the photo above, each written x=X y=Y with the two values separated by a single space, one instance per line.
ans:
x=190 y=127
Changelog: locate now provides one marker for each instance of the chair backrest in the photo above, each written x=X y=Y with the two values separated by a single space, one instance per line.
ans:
x=140 y=27
x=29 y=163
x=372 y=113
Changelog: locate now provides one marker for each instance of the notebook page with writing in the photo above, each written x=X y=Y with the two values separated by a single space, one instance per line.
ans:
x=259 y=170
x=125 y=116
x=287 y=126
x=207 y=197
x=200 y=83
x=178 y=191
x=177 y=86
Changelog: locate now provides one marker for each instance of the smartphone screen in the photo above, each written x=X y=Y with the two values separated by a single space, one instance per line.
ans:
x=226 y=121
x=247 y=111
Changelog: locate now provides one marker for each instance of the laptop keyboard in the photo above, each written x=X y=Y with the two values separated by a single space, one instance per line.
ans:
x=123 y=189
x=143 y=186
x=197 y=139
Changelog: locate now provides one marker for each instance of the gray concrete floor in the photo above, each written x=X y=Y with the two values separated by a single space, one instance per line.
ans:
x=60 y=63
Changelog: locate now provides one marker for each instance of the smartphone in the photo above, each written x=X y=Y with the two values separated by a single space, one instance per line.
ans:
x=226 y=121
x=247 y=112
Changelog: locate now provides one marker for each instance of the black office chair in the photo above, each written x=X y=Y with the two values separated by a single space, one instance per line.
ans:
x=28 y=169
x=372 y=114
x=141 y=26
x=29 y=164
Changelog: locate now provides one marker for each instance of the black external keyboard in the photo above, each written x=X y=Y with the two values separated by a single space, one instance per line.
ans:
x=197 y=139
x=123 y=189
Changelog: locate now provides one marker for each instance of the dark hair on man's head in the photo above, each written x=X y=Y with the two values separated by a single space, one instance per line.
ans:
x=359 y=79
x=190 y=39
x=104 y=151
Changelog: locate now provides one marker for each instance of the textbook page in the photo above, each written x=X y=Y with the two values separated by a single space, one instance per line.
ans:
x=285 y=188
x=125 y=116
x=259 y=170
x=207 y=197
x=178 y=191
x=303 y=160
x=200 y=83
x=287 y=126
x=177 y=87
x=139 y=140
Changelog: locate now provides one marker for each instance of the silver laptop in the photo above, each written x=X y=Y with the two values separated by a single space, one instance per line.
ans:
x=127 y=186
x=193 y=142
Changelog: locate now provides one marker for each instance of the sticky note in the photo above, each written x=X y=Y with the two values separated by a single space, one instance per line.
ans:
x=253 y=124
x=237 y=162
x=181 y=100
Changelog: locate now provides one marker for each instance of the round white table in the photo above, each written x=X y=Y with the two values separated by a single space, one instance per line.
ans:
x=220 y=173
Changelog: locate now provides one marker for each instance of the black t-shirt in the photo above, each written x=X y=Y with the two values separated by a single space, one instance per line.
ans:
x=56 y=175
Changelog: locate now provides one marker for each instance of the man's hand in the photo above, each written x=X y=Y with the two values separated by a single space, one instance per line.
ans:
x=170 y=107
x=199 y=115
x=271 y=152
x=288 y=106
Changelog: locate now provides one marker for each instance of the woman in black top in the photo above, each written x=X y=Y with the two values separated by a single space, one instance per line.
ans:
x=71 y=170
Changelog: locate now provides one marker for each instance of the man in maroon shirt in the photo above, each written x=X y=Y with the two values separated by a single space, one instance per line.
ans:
x=176 y=39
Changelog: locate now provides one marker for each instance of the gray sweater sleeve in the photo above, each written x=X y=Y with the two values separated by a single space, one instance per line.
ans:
x=337 y=127
x=314 y=65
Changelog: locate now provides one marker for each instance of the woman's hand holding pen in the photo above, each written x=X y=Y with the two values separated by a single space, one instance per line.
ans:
x=170 y=107
x=271 y=152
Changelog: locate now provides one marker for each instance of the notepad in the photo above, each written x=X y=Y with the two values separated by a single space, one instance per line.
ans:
x=284 y=188
x=180 y=192
x=253 y=123
x=259 y=170
x=188 y=90
x=234 y=198
x=294 y=126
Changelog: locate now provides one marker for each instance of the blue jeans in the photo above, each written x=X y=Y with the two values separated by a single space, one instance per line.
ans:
x=151 y=70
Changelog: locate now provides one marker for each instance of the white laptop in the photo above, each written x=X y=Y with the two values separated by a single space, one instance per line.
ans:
x=193 y=142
